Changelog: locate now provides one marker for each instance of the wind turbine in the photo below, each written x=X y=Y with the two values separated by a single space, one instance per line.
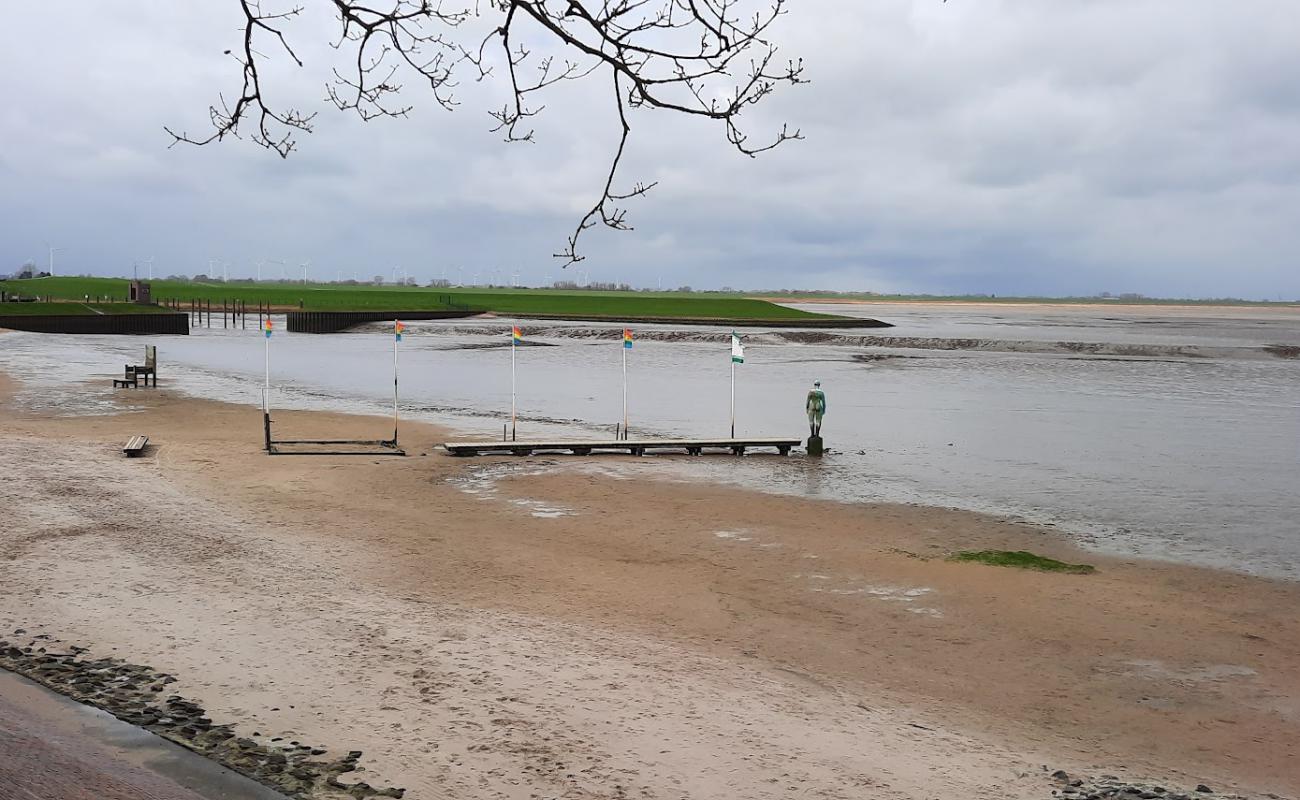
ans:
x=259 y=265
x=52 y=250
x=304 y=265
x=212 y=262
x=149 y=263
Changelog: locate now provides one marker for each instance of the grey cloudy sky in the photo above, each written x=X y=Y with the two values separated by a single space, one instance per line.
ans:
x=1006 y=146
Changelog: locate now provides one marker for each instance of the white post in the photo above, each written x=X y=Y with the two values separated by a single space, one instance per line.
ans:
x=266 y=387
x=733 y=399
x=624 y=349
x=512 y=384
x=394 y=383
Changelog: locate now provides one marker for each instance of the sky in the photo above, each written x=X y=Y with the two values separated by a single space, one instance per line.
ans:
x=1011 y=147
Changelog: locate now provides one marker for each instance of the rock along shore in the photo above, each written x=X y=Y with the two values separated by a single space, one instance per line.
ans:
x=137 y=695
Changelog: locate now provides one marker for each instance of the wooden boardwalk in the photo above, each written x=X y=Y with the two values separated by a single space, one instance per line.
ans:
x=636 y=447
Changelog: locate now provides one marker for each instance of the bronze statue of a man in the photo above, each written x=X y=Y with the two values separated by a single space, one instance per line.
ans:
x=816 y=407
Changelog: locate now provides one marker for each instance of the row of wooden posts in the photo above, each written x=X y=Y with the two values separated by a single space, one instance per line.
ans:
x=231 y=313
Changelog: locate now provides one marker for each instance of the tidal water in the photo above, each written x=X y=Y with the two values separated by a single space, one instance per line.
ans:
x=1164 y=433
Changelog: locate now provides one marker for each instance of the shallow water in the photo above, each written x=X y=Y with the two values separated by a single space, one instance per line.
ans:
x=1191 y=457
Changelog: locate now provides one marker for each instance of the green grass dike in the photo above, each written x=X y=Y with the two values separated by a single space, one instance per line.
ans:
x=1021 y=559
x=542 y=303
x=69 y=308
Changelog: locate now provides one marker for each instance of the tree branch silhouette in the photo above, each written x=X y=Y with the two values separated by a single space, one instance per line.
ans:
x=701 y=58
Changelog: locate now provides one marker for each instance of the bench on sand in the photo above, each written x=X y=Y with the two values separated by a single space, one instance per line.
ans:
x=135 y=446
x=147 y=370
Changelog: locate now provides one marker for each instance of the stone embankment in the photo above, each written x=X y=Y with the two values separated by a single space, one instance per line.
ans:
x=138 y=695
x=1111 y=787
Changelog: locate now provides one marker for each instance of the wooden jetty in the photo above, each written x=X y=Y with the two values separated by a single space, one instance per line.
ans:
x=636 y=447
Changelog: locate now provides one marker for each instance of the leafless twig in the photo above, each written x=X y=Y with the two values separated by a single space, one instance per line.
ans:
x=704 y=58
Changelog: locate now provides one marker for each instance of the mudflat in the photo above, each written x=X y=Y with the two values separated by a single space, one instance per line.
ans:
x=508 y=628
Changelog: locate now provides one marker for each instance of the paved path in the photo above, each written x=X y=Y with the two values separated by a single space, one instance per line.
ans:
x=47 y=752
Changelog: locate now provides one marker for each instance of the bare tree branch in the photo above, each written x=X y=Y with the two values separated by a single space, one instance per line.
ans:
x=702 y=58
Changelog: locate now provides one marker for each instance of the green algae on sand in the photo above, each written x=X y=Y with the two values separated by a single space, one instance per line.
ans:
x=1021 y=559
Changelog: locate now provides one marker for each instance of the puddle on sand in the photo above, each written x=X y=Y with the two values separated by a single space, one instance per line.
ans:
x=482 y=482
x=905 y=596
x=543 y=510
x=1159 y=670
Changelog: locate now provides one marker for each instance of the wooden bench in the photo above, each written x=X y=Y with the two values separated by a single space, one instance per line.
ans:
x=130 y=380
x=135 y=446
x=147 y=370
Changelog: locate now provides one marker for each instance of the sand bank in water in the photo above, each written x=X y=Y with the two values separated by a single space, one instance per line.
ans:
x=658 y=639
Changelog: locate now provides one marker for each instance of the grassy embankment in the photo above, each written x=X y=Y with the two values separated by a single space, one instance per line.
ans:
x=75 y=309
x=522 y=302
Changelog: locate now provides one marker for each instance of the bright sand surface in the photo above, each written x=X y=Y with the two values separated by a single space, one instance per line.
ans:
x=518 y=628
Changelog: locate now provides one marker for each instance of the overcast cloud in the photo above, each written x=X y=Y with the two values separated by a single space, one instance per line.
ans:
x=1005 y=146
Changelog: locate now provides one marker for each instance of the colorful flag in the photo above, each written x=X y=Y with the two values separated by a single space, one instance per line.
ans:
x=267 y=327
x=737 y=351
x=398 y=327
x=516 y=335
x=627 y=338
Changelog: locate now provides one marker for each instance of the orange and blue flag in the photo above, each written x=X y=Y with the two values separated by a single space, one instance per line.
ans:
x=267 y=327
x=516 y=335
x=398 y=327
x=627 y=338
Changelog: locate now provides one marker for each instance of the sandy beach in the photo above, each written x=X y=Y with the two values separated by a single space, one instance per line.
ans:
x=549 y=627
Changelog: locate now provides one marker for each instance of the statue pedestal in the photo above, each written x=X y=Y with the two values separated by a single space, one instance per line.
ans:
x=815 y=447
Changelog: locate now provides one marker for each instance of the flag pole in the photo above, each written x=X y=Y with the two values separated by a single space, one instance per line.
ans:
x=512 y=384
x=624 y=349
x=396 y=337
x=266 y=386
x=733 y=398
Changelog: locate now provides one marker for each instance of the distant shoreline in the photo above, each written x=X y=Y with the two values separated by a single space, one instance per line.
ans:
x=1045 y=302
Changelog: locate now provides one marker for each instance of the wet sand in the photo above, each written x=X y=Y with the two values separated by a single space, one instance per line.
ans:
x=509 y=628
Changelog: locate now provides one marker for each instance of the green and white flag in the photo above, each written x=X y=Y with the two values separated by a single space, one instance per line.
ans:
x=737 y=351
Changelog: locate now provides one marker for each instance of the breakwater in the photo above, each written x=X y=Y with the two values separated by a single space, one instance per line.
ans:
x=335 y=321
x=836 y=322
x=122 y=324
